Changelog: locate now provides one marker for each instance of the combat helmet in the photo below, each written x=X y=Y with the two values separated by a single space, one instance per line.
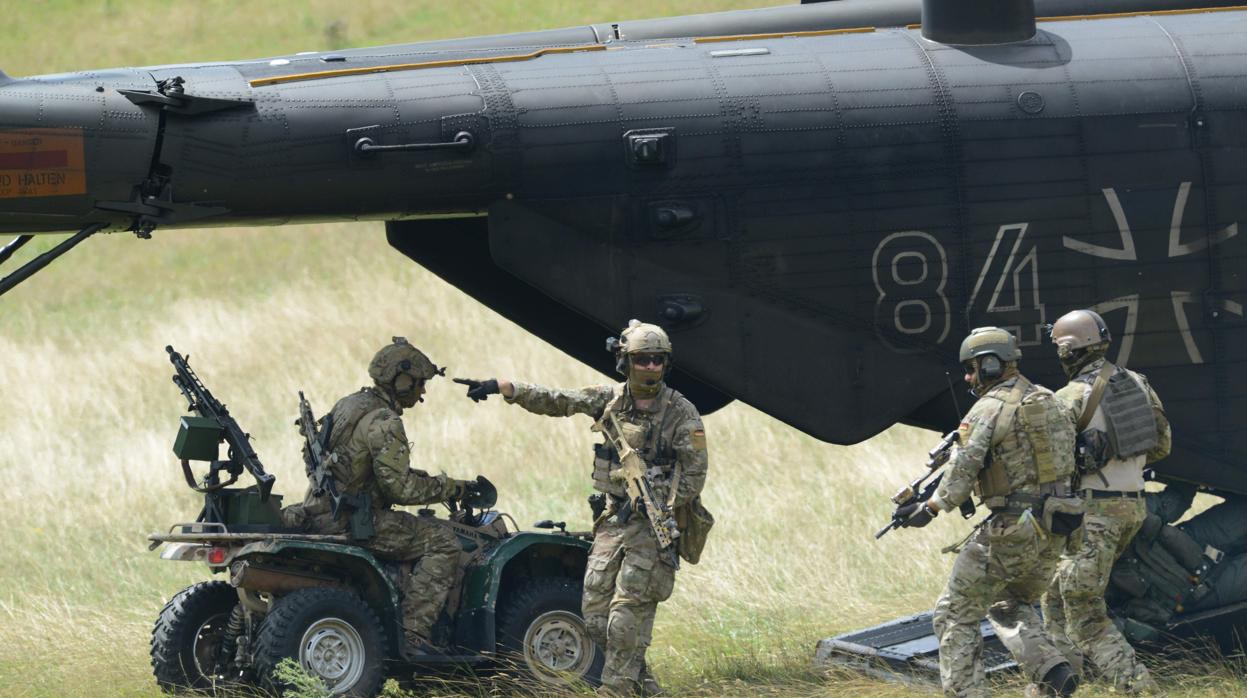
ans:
x=1079 y=329
x=399 y=359
x=642 y=338
x=990 y=340
x=987 y=355
x=1081 y=337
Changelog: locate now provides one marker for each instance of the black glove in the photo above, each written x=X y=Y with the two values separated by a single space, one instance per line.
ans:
x=479 y=390
x=915 y=514
x=480 y=493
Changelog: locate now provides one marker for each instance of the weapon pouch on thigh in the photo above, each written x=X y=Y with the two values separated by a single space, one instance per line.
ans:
x=1063 y=515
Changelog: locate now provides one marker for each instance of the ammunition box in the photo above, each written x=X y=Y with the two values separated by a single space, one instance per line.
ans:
x=243 y=508
x=198 y=438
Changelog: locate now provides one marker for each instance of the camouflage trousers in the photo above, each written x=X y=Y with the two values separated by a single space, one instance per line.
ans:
x=1075 y=614
x=624 y=582
x=1000 y=573
x=401 y=536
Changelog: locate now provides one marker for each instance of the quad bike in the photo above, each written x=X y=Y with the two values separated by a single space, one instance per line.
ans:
x=331 y=605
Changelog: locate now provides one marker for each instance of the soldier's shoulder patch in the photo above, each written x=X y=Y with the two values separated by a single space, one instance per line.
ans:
x=699 y=439
x=963 y=430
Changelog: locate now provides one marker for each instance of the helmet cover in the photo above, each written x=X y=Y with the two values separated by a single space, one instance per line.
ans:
x=401 y=357
x=990 y=340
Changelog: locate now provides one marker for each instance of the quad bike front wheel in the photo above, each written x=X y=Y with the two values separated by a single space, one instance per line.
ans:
x=542 y=635
x=188 y=636
x=331 y=633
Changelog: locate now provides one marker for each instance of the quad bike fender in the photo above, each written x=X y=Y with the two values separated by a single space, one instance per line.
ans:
x=538 y=554
x=276 y=564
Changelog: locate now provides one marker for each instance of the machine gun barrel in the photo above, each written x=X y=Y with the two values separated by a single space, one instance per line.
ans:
x=201 y=401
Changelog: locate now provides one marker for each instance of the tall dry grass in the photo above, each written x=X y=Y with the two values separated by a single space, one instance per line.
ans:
x=88 y=414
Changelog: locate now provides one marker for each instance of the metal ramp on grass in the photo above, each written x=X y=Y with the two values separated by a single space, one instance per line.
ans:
x=903 y=650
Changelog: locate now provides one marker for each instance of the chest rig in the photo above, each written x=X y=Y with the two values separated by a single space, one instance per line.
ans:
x=645 y=436
x=1032 y=444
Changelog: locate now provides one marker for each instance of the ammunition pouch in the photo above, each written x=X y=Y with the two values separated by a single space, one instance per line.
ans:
x=1063 y=515
x=694 y=522
x=993 y=483
x=1056 y=507
x=604 y=461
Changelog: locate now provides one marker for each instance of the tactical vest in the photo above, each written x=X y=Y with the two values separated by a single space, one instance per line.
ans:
x=1128 y=414
x=645 y=439
x=351 y=469
x=1031 y=421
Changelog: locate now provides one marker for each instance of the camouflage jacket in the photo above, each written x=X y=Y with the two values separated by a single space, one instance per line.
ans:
x=985 y=437
x=1119 y=474
x=370 y=453
x=679 y=441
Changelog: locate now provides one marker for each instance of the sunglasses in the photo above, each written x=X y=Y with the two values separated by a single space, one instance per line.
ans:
x=649 y=360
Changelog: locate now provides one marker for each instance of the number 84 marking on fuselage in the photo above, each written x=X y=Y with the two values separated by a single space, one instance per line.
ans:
x=911 y=304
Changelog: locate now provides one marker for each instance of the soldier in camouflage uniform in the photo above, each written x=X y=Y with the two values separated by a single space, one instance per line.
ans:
x=627 y=576
x=1016 y=453
x=370 y=455
x=1124 y=430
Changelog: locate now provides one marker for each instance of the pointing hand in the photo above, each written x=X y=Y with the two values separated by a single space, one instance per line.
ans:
x=479 y=390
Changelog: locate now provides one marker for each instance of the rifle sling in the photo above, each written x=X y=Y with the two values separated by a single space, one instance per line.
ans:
x=1097 y=393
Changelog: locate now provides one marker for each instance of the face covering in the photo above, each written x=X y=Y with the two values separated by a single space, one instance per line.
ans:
x=644 y=382
x=1073 y=361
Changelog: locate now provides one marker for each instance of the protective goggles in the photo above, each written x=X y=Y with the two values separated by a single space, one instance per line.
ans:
x=643 y=360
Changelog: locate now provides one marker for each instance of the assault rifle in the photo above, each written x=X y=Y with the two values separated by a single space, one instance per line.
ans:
x=919 y=490
x=641 y=494
x=316 y=459
x=241 y=455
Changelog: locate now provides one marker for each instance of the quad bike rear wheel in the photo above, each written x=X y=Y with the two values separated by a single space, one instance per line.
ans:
x=543 y=637
x=188 y=635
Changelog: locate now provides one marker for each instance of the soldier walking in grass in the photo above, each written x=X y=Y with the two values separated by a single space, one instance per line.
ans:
x=1016 y=453
x=1121 y=427
x=369 y=459
x=628 y=575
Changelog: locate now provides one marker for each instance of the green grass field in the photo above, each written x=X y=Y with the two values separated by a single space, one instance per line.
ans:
x=88 y=413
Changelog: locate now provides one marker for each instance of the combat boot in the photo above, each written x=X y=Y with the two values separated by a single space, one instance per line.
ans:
x=649 y=685
x=1140 y=683
x=1061 y=680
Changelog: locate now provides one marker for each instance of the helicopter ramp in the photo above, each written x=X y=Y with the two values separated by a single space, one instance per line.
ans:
x=904 y=650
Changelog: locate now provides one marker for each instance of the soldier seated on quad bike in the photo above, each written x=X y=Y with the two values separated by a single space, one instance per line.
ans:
x=366 y=454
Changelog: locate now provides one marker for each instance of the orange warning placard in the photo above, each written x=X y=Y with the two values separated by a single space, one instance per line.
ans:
x=42 y=162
